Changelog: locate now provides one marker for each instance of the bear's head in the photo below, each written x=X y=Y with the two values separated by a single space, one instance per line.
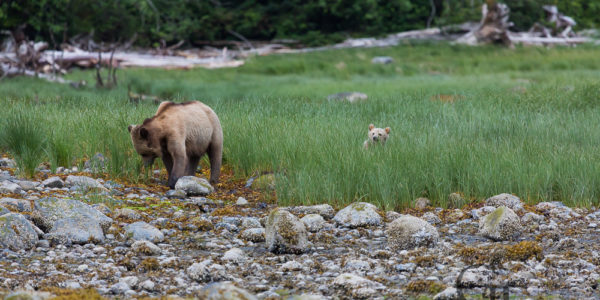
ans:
x=378 y=135
x=142 y=142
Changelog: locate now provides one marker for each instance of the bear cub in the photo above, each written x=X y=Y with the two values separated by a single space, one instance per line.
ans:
x=180 y=134
x=376 y=136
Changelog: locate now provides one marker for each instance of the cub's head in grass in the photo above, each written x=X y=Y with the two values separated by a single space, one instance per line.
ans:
x=180 y=134
x=376 y=136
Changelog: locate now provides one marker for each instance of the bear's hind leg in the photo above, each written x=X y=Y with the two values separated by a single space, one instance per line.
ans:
x=192 y=166
x=215 y=153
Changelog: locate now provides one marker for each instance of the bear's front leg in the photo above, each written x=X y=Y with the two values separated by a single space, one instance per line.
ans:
x=179 y=163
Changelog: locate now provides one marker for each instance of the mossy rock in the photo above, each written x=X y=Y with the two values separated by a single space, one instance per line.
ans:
x=264 y=182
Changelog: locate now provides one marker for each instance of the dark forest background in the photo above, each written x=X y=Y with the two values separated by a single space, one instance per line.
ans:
x=312 y=22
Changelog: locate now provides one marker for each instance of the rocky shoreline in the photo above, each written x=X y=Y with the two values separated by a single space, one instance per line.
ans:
x=73 y=235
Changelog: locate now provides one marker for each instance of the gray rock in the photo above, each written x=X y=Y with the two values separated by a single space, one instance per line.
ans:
x=19 y=205
x=407 y=267
x=347 y=96
x=450 y=293
x=479 y=277
x=224 y=291
x=29 y=295
x=7 y=187
x=84 y=183
x=250 y=222
x=382 y=60
x=200 y=271
x=127 y=213
x=530 y=217
x=145 y=248
x=501 y=225
x=143 y=231
x=76 y=230
x=175 y=194
x=53 y=182
x=313 y=222
x=16 y=232
x=356 y=286
x=7 y=163
x=408 y=232
x=148 y=285
x=392 y=215
x=291 y=265
x=102 y=208
x=241 y=201
x=284 y=233
x=431 y=218
x=422 y=203
x=325 y=210
x=234 y=255
x=4 y=210
x=120 y=288
x=49 y=210
x=256 y=235
x=194 y=186
x=358 y=214
x=479 y=213
x=511 y=201
x=27 y=185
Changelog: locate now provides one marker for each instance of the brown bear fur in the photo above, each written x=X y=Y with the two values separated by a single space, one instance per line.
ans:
x=376 y=136
x=180 y=134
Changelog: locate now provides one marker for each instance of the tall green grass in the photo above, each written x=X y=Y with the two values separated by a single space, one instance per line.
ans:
x=525 y=121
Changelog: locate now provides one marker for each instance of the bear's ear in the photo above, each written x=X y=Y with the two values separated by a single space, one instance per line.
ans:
x=387 y=130
x=144 y=133
x=371 y=126
x=130 y=127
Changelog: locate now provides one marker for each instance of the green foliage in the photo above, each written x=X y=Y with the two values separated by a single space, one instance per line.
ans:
x=523 y=121
x=23 y=136
x=313 y=22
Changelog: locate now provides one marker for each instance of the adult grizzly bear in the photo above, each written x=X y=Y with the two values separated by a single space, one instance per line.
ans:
x=180 y=134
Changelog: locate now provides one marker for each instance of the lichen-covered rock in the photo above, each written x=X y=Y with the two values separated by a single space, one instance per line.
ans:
x=431 y=218
x=224 y=291
x=18 y=205
x=76 y=230
x=234 y=255
x=127 y=214
x=358 y=214
x=250 y=222
x=357 y=287
x=325 y=210
x=408 y=232
x=194 y=186
x=49 y=210
x=450 y=293
x=27 y=185
x=53 y=182
x=475 y=277
x=143 y=231
x=501 y=225
x=145 y=248
x=4 y=210
x=422 y=203
x=206 y=271
x=511 y=201
x=313 y=222
x=256 y=235
x=16 y=232
x=84 y=183
x=285 y=233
